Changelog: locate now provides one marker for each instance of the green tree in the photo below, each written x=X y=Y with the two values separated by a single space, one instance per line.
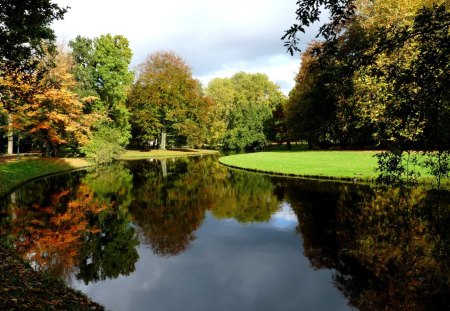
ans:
x=166 y=101
x=103 y=75
x=244 y=103
x=25 y=30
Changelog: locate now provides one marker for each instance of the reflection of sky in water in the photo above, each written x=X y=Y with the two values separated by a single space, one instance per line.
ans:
x=229 y=266
x=284 y=218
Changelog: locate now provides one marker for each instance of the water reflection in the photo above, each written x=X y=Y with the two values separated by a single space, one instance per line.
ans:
x=384 y=249
x=75 y=223
x=389 y=247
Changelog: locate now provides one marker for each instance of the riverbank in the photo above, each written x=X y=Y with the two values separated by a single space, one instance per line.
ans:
x=22 y=288
x=158 y=154
x=15 y=172
x=339 y=165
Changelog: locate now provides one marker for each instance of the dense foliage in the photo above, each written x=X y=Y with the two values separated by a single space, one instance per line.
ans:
x=242 y=110
x=166 y=101
x=378 y=79
x=25 y=31
x=103 y=75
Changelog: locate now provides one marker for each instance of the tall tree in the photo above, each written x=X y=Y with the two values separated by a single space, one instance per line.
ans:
x=396 y=54
x=44 y=105
x=25 y=35
x=102 y=73
x=166 y=100
x=244 y=105
x=25 y=25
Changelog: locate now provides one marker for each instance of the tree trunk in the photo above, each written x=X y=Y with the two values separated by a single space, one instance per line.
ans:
x=162 y=145
x=10 y=136
x=164 y=168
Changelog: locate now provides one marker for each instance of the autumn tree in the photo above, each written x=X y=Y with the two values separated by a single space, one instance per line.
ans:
x=44 y=106
x=25 y=35
x=166 y=101
x=242 y=108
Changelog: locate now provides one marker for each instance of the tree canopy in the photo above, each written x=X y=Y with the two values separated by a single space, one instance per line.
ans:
x=166 y=100
x=25 y=30
x=376 y=80
x=242 y=109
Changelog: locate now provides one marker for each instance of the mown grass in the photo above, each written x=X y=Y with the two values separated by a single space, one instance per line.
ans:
x=136 y=154
x=315 y=164
x=15 y=172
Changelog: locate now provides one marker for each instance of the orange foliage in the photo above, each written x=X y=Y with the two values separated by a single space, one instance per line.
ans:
x=52 y=238
x=43 y=102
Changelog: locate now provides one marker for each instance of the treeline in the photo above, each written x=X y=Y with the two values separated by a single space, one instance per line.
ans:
x=82 y=99
x=380 y=78
x=85 y=100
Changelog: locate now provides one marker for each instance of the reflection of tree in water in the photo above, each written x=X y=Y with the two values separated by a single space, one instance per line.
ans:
x=50 y=235
x=389 y=247
x=166 y=204
x=61 y=223
x=111 y=251
x=169 y=204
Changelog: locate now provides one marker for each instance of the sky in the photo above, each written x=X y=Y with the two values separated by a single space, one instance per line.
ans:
x=215 y=38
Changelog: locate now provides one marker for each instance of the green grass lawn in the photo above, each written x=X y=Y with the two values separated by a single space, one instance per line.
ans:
x=339 y=164
x=155 y=153
x=14 y=172
x=317 y=164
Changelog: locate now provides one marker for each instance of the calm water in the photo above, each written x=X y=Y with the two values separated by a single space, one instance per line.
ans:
x=190 y=234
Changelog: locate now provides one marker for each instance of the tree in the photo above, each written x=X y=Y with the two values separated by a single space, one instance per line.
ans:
x=25 y=30
x=166 y=101
x=25 y=37
x=244 y=105
x=42 y=103
x=392 y=58
x=309 y=11
x=102 y=73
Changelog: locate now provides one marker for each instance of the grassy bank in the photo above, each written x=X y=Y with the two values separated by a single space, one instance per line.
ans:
x=136 y=154
x=15 y=172
x=342 y=165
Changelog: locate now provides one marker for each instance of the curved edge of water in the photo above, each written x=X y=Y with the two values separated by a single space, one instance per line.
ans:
x=356 y=179
x=23 y=182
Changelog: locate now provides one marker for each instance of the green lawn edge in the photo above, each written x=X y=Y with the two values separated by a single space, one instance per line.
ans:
x=323 y=165
x=165 y=154
x=15 y=173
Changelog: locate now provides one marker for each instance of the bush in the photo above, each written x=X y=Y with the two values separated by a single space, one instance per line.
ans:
x=105 y=145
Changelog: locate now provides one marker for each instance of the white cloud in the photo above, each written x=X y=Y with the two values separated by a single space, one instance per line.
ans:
x=215 y=38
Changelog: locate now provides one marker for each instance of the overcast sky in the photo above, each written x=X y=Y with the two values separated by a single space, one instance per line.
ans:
x=216 y=38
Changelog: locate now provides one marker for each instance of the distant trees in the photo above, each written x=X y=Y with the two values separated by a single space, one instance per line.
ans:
x=242 y=110
x=167 y=102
